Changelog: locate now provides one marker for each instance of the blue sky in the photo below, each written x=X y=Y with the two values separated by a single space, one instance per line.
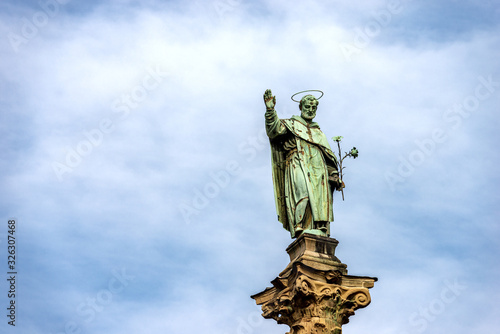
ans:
x=135 y=162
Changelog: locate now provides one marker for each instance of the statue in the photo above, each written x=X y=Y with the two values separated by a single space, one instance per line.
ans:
x=313 y=294
x=305 y=170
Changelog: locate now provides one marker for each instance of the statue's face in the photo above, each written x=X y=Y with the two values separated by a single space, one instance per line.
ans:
x=309 y=106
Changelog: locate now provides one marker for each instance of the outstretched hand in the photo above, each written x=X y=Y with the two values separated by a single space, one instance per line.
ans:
x=269 y=99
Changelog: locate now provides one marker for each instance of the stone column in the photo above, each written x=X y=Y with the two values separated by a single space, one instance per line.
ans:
x=314 y=294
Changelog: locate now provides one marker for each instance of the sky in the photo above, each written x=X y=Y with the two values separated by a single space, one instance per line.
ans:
x=137 y=169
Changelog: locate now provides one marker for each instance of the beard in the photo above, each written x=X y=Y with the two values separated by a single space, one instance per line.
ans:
x=308 y=115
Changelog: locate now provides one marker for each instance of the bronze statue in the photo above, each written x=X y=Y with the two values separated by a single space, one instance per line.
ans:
x=305 y=170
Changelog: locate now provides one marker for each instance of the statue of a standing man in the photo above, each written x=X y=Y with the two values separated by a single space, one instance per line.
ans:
x=305 y=169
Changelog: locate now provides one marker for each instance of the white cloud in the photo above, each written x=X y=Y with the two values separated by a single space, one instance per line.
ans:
x=119 y=205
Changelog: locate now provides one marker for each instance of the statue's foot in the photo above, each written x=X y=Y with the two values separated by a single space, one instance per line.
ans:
x=322 y=227
x=298 y=231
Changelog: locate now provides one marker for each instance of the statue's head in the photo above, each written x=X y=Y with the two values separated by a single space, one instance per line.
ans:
x=308 y=106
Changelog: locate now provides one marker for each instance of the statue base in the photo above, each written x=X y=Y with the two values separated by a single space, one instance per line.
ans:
x=314 y=293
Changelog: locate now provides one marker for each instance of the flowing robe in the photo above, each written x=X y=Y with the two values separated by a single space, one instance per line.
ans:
x=302 y=164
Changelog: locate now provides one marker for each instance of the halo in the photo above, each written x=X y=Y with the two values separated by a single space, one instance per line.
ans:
x=310 y=90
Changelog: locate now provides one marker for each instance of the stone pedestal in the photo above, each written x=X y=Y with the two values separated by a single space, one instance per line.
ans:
x=314 y=294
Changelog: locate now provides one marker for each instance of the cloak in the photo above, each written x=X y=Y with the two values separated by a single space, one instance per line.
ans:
x=308 y=137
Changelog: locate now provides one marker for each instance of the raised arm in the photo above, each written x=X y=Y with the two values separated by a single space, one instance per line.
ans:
x=274 y=127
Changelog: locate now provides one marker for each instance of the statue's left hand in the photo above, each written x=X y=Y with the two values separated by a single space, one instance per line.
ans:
x=337 y=183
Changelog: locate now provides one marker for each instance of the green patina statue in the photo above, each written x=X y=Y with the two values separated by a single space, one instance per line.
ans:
x=305 y=170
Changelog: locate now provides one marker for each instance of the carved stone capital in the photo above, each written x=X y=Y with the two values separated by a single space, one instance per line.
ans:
x=310 y=296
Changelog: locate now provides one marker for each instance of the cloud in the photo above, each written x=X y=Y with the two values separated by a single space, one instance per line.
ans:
x=145 y=109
